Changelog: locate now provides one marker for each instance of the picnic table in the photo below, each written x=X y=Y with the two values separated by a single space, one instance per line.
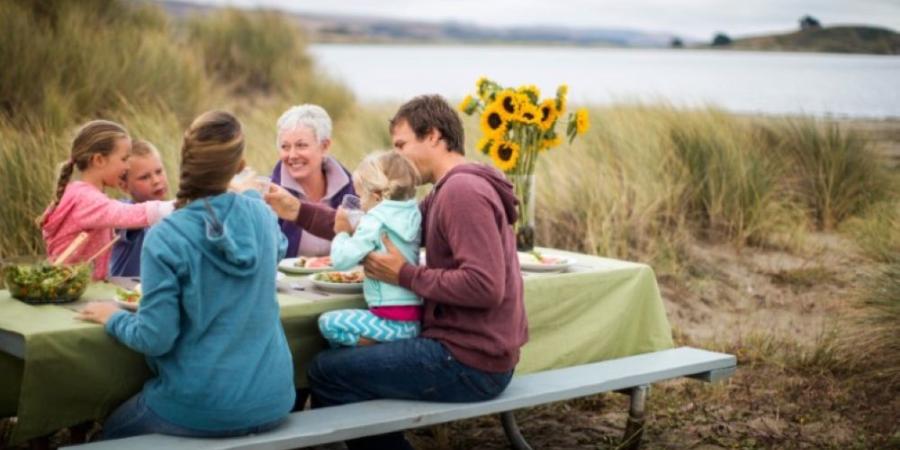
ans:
x=56 y=371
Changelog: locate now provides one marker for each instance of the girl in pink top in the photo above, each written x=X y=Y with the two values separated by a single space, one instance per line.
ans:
x=100 y=153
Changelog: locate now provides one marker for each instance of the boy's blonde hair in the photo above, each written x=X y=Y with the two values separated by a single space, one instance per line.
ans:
x=140 y=147
x=389 y=174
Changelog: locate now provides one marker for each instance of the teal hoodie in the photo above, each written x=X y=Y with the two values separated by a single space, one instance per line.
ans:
x=209 y=319
x=402 y=222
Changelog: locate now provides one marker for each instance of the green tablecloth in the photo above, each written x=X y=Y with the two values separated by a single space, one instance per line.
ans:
x=72 y=371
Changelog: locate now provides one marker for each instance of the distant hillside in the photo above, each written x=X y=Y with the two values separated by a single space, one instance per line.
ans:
x=350 y=28
x=332 y=28
x=836 y=39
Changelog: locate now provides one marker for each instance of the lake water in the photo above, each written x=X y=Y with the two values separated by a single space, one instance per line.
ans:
x=747 y=82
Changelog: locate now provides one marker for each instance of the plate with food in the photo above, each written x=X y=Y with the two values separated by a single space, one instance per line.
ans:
x=306 y=264
x=535 y=261
x=129 y=299
x=341 y=282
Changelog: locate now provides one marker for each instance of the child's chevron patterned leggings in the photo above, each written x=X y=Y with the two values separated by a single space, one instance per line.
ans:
x=346 y=326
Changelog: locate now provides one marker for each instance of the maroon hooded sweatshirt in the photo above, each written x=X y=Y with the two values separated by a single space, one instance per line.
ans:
x=471 y=284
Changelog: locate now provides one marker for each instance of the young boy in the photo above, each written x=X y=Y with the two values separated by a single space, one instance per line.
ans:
x=145 y=180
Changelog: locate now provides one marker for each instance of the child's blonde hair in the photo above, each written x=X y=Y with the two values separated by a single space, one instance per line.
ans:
x=94 y=137
x=388 y=174
x=212 y=151
x=140 y=147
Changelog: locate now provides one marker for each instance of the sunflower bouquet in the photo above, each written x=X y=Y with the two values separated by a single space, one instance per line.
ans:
x=516 y=127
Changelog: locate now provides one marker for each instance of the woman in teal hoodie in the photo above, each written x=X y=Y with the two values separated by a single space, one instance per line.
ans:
x=208 y=321
x=387 y=184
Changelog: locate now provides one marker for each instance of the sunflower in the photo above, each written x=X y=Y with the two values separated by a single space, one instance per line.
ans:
x=509 y=102
x=505 y=155
x=549 y=142
x=468 y=105
x=484 y=144
x=531 y=91
x=486 y=89
x=493 y=122
x=529 y=114
x=582 y=121
x=549 y=114
x=561 y=94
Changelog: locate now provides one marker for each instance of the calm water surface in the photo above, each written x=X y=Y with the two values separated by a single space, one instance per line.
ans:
x=747 y=82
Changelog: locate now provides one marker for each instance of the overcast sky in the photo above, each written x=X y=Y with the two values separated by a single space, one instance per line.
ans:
x=689 y=18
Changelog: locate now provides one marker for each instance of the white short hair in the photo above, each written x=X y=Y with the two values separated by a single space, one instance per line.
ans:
x=312 y=116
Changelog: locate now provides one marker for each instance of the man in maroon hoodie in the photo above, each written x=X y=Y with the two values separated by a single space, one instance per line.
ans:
x=473 y=322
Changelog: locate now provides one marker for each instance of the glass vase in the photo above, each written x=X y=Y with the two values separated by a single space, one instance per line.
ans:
x=524 y=226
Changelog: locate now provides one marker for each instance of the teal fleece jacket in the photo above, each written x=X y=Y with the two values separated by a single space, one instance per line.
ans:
x=209 y=322
x=401 y=221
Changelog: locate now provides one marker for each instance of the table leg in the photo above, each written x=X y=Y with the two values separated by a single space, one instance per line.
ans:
x=634 y=428
x=511 y=428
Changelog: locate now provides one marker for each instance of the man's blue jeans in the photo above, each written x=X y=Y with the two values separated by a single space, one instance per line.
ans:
x=410 y=369
x=134 y=418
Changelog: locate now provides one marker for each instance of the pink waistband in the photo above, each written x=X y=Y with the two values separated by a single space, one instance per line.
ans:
x=402 y=313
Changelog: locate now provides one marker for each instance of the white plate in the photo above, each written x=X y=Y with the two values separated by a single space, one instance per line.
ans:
x=343 y=288
x=287 y=265
x=280 y=276
x=529 y=263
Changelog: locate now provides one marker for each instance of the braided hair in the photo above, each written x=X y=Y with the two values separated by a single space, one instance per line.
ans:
x=211 y=154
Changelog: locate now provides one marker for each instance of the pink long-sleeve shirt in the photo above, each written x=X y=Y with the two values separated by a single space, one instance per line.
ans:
x=85 y=208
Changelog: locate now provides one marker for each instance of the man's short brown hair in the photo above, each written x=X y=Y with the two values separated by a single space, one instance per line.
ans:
x=427 y=112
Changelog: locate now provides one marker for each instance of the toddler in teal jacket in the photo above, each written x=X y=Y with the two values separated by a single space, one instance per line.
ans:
x=386 y=182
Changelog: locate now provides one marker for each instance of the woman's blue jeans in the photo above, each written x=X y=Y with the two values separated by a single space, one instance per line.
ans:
x=134 y=418
x=411 y=369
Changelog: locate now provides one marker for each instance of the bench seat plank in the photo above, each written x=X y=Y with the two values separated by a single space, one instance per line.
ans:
x=344 y=422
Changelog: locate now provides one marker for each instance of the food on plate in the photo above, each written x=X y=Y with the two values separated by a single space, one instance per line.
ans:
x=313 y=262
x=341 y=277
x=130 y=296
x=536 y=257
x=44 y=282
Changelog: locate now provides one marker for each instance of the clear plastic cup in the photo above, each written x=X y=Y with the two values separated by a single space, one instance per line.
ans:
x=353 y=206
x=261 y=184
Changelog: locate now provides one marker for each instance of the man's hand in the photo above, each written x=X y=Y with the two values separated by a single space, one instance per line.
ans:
x=385 y=266
x=285 y=205
x=341 y=222
x=98 y=312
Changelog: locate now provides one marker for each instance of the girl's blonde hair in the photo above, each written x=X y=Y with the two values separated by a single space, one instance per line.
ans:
x=210 y=156
x=140 y=147
x=389 y=174
x=94 y=137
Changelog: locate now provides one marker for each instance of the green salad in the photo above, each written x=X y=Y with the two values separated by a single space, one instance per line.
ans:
x=128 y=296
x=45 y=283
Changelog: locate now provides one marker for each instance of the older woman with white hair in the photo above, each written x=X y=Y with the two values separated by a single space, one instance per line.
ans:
x=308 y=172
